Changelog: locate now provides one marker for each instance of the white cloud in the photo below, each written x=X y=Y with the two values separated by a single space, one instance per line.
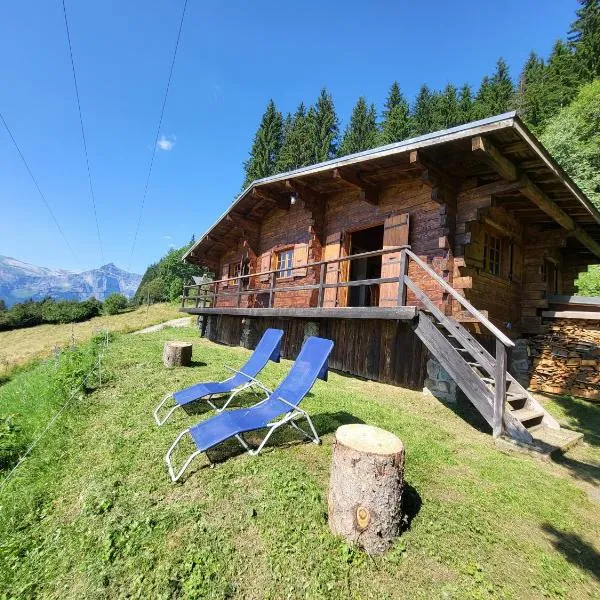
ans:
x=166 y=143
x=167 y=237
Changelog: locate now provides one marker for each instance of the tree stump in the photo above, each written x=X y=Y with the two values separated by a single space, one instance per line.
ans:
x=177 y=354
x=365 y=488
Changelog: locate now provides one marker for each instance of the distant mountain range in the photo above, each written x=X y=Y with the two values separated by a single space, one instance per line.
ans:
x=21 y=281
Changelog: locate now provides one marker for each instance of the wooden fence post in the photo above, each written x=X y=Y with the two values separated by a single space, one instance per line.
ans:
x=401 y=278
x=272 y=289
x=322 y=270
x=500 y=389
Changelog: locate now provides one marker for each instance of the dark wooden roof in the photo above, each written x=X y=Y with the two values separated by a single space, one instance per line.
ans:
x=450 y=150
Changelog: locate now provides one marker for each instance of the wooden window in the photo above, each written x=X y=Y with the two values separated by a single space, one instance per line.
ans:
x=234 y=270
x=285 y=262
x=492 y=254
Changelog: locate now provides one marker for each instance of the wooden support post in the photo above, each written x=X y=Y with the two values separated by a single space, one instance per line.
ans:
x=272 y=289
x=500 y=389
x=183 y=297
x=240 y=286
x=402 y=277
x=322 y=270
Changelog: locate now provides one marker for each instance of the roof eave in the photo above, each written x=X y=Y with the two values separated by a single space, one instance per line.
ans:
x=437 y=137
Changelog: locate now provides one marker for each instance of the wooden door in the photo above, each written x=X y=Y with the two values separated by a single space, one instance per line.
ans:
x=395 y=233
x=333 y=249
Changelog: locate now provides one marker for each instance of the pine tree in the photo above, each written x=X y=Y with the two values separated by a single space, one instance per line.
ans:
x=465 y=104
x=446 y=108
x=323 y=128
x=531 y=92
x=483 y=100
x=504 y=90
x=361 y=133
x=422 y=113
x=266 y=146
x=561 y=81
x=395 y=124
x=295 y=151
x=496 y=94
x=584 y=39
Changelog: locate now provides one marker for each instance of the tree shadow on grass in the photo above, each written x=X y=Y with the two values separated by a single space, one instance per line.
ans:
x=576 y=550
x=584 y=416
x=578 y=469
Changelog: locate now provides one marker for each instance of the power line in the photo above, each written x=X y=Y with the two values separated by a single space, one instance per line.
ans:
x=162 y=112
x=85 y=150
x=42 y=196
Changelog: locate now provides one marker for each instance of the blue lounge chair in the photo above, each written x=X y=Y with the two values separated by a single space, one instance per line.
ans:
x=269 y=348
x=282 y=402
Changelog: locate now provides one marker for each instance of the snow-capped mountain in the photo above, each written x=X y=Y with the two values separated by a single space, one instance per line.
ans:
x=20 y=281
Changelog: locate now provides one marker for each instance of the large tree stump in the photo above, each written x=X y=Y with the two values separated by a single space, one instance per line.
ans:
x=177 y=354
x=365 y=488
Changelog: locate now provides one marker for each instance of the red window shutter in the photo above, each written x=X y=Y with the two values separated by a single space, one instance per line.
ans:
x=300 y=259
x=225 y=274
x=265 y=265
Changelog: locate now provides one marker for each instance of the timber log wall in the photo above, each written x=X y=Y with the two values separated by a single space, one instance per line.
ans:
x=382 y=350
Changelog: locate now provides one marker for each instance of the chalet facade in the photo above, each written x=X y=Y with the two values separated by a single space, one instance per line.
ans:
x=449 y=246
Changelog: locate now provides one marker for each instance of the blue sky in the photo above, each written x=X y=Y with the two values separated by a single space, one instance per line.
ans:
x=233 y=57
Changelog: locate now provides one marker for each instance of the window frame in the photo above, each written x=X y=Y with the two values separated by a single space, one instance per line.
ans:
x=284 y=271
x=492 y=254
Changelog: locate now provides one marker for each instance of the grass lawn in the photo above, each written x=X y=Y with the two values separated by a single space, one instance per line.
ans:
x=20 y=346
x=92 y=513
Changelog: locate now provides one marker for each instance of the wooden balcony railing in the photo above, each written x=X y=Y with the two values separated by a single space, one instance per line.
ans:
x=207 y=294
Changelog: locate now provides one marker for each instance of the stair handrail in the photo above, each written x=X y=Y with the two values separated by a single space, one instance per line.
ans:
x=461 y=300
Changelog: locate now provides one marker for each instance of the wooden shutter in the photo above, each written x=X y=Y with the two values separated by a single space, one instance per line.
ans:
x=395 y=233
x=300 y=258
x=333 y=248
x=225 y=274
x=265 y=265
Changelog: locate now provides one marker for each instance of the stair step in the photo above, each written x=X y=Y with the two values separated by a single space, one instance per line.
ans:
x=527 y=414
x=516 y=400
x=550 y=440
x=474 y=364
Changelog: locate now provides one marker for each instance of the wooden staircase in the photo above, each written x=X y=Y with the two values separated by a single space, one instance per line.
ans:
x=503 y=402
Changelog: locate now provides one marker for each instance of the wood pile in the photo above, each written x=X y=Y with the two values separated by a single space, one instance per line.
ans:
x=566 y=359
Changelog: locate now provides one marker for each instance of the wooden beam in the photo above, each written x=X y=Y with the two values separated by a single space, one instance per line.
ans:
x=370 y=193
x=528 y=188
x=430 y=172
x=265 y=196
x=487 y=150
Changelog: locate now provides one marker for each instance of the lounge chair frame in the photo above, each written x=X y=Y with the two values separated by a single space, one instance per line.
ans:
x=289 y=419
x=249 y=384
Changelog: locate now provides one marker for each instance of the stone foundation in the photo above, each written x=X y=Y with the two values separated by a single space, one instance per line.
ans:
x=439 y=383
x=519 y=365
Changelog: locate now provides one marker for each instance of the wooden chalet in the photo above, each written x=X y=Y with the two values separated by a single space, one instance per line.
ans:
x=424 y=261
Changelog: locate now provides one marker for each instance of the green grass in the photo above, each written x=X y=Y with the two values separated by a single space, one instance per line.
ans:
x=92 y=513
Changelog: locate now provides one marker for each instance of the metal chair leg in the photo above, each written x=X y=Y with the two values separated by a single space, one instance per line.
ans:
x=158 y=420
x=175 y=476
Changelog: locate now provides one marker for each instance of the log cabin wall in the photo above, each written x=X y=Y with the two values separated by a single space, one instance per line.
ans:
x=489 y=267
x=388 y=350
x=297 y=229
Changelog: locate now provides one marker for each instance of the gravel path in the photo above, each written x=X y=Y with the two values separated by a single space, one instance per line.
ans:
x=183 y=322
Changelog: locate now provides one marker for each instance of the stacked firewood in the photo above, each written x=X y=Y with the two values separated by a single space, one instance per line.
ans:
x=566 y=358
